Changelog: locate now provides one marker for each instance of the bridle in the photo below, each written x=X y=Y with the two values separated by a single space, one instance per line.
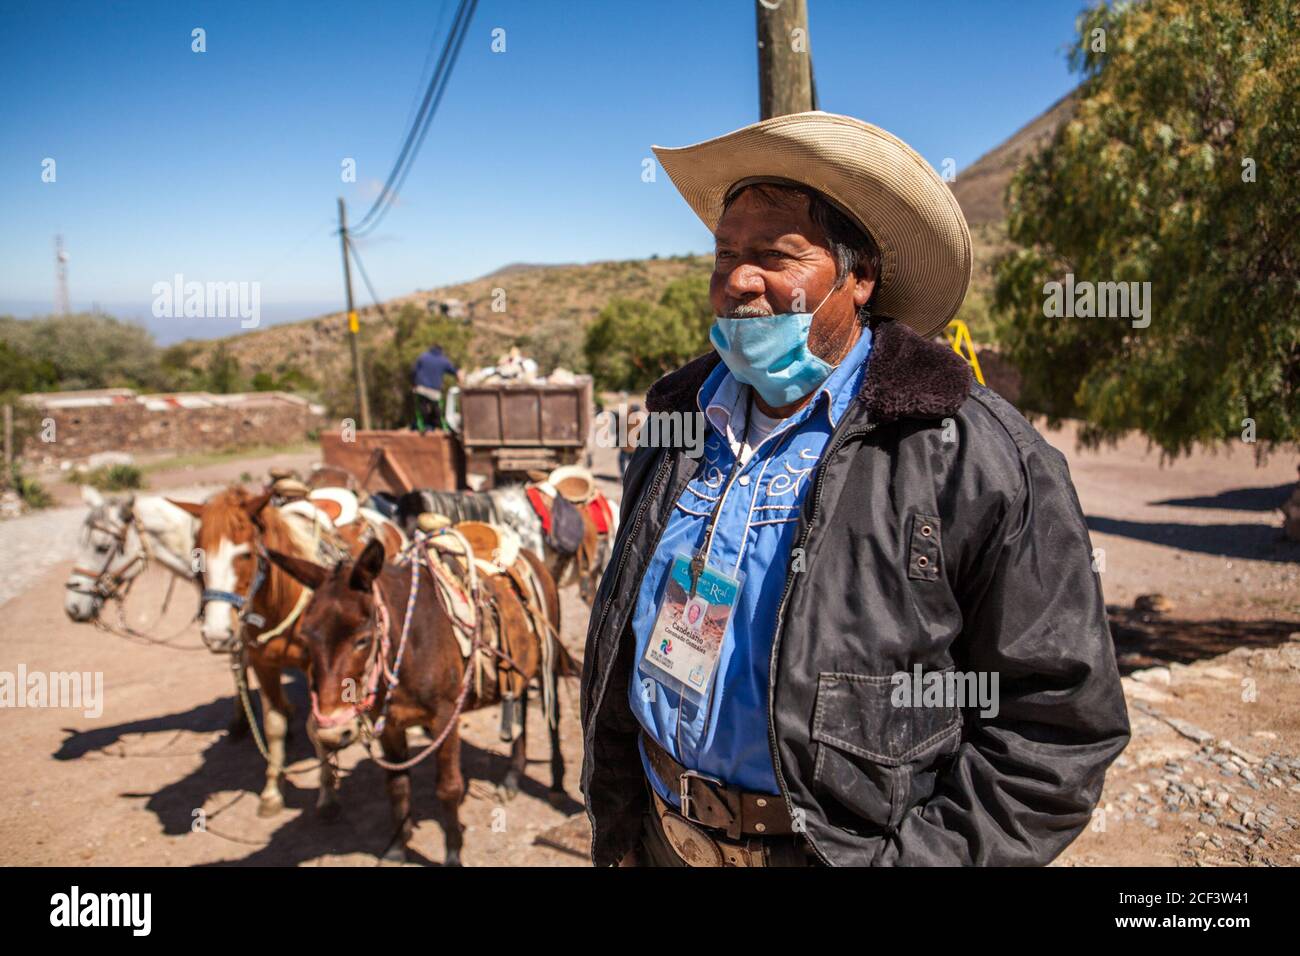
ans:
x=107 y=583
x=242 y=603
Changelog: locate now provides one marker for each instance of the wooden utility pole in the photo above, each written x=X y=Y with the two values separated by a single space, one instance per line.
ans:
x=354 y=326
x=785 y=77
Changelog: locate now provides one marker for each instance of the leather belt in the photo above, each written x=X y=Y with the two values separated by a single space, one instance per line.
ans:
x=709 y=802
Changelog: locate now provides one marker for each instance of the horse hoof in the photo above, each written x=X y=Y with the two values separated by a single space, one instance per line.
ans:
x=510 y=786
x=394 y=856
x=328 y=811
x=270 y=806
x=453 y=859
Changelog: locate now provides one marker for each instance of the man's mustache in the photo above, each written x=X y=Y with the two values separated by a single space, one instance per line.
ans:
x=747 y=312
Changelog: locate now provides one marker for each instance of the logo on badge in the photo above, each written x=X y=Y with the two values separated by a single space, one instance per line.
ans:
x=666 y=646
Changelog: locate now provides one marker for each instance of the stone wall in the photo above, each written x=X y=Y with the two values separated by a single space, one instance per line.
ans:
x=132 y=427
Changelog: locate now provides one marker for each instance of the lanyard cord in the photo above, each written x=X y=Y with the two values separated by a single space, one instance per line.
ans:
x=701 y=558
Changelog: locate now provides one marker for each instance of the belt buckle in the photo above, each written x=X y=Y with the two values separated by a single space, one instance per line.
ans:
x=684 y=792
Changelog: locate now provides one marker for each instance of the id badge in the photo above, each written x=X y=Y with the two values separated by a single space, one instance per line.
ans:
x=686 y=641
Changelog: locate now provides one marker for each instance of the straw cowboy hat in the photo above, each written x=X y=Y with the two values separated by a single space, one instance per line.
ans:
x=874 y=178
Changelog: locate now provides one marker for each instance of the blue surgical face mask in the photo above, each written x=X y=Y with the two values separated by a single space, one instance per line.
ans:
x=770 y=354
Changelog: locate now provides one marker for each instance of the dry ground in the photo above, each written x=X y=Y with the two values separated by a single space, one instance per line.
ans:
x=125 y=787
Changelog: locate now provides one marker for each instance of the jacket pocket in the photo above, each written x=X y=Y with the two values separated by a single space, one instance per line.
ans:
x=874 y=759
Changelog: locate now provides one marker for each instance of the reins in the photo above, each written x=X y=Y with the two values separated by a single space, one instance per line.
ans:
x=418 y=555
x=110 y=585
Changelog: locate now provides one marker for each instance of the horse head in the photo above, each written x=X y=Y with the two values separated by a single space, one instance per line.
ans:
x=110 y=556
x=345 y=630
x=232 y=568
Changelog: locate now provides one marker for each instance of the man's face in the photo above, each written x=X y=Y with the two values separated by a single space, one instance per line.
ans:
x=771 y=258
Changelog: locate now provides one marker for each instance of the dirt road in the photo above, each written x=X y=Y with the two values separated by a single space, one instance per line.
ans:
x=153 y=778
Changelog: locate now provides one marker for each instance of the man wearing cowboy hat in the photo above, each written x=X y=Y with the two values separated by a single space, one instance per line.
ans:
x=897 y=651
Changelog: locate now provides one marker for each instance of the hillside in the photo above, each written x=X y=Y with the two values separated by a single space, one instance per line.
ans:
x=553 y=302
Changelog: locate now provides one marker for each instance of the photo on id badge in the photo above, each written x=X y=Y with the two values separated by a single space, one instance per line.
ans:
x=686 y=642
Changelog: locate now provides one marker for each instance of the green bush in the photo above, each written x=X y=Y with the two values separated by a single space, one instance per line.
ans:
x=632 y=343
x=110 y=478
x=30 y=490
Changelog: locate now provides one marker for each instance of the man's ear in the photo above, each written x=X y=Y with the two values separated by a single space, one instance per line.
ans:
x=368 y=566
x=862 y=289
x=307 y=573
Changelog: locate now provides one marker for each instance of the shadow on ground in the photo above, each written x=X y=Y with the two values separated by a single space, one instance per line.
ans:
x=227 y=764
x=1237 y=499
x=1144 y=639
x=1255 y=542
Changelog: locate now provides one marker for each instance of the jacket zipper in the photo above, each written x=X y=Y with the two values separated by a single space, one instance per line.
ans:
x=636 y=524
x=780 y=619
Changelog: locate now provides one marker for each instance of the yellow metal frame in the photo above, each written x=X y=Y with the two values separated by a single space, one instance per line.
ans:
x=958 y=335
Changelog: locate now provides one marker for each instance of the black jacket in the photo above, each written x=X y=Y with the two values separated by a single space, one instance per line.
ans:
x=941 y=531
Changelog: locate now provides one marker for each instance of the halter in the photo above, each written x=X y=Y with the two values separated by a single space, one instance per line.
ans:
x=108 y=583
x=242 y=603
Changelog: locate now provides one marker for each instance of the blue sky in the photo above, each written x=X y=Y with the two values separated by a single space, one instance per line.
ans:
x=225 y=165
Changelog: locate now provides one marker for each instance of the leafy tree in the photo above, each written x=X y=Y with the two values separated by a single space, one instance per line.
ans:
x=20 y=372
x=388 y=366
x=631 y=343
x=223 y=371
x=1178 y=170
x=86 y=350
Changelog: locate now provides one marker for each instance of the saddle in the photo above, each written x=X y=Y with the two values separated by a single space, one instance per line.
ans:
x=460 y=555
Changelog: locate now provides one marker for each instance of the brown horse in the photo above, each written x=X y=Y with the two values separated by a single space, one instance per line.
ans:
x=247 y=599
x=353 y=625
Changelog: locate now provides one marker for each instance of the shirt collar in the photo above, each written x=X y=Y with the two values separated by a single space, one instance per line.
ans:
x=722 y=399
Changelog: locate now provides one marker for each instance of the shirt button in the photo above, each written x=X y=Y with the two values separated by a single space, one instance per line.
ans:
x=744 y=479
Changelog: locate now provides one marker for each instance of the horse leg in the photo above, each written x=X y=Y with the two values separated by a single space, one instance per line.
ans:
x=519 y=748
x=327 y=800
x=556 y=794
x=451 y=792
x=393 y=743
x=237 y=729
x=275 y=722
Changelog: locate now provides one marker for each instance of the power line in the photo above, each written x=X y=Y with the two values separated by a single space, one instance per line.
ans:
x=365 y=278
x=419 y=129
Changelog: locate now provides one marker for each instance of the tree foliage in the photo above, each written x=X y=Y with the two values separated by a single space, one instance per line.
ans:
x=1178 y=169
x=632 y=343
x=388 y=366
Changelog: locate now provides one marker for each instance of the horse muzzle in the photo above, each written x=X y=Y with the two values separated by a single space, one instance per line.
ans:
x=338 y=732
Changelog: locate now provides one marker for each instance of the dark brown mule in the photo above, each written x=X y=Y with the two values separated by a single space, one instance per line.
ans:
x=344 y=624
x=246 y=597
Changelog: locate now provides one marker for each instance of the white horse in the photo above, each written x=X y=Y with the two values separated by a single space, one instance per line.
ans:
x=118 y=540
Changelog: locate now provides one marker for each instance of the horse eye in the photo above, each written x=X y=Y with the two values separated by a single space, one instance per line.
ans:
x=363 y=640
x=101 y=549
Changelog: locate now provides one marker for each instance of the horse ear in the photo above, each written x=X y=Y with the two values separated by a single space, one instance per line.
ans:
x=368 y=566
x=91 y=496
x=307 y=573
x=254 y=506
x=189 y=507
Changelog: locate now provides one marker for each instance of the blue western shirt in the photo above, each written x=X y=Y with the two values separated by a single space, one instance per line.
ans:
x=726 y=735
